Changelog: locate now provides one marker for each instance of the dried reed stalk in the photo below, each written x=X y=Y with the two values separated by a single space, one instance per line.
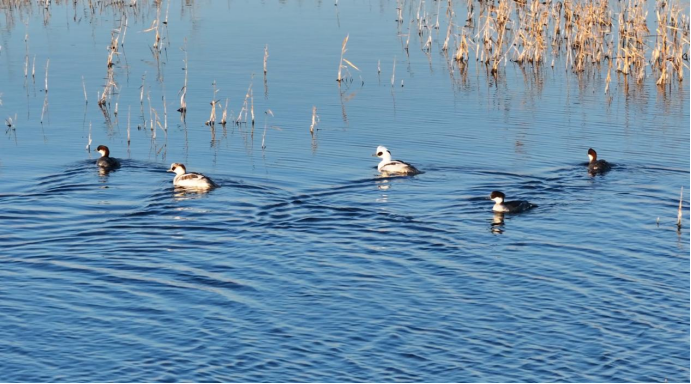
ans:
x=88 y=144
x=341 y=66
x=224 y=117
x=393 y=73
x=679 y=213
x=266 y=114
x=129 y=113
x=47 y=65
x=214 y=102
x=246 y=106
x=315 y=119
x=86 y=100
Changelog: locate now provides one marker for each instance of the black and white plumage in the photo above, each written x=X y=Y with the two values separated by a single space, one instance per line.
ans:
x=105 y=161
x=509 y=206
x=597 y=166
x=190 y=180
x=393 y=167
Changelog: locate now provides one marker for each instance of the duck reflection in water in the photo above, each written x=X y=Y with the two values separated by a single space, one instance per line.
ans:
x=183 y=193
x=104 y=172
x=497 y=223
x=383 y=183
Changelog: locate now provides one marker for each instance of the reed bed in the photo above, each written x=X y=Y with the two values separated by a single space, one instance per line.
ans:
x=580 y=33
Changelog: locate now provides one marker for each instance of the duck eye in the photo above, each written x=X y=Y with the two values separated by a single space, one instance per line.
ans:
x=380 y=153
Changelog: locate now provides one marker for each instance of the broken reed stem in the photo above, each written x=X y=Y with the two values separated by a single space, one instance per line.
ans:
x=141 y=94
x=45 y=107
x=88 y=144
x=681 y=201
x=266 y=56
x=462 y=51
x=246 y=106
x=167 y=10
x=11 y=123
x=151 y=116
x=266 y=116
x=225 y=113
x=315 y=119
x=156 y=122
x=183 y=102
x=124 y=32
x=347 y=63
x=609 y=76
x=86 y=100
x=393 y=73
x=47 y=65
x=445 y=47
x=165 y=110
x=340 y=64
x=252 y=105
x=212 y=116
x=45 y=100
x=129 y=113
x=110 y=83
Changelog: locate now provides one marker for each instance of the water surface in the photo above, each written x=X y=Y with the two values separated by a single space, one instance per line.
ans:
x=305 y=265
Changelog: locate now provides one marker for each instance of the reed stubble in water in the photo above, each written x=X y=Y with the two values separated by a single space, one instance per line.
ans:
x=681 y=203
x=341 y=66
x=315 y=119
x=183 y=90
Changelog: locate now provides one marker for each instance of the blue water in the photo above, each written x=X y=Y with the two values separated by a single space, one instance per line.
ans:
x=306 y=265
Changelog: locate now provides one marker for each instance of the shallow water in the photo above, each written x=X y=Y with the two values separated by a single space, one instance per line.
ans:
x=305 y=265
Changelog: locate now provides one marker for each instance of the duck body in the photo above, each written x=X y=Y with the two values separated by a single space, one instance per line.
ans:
x=105 y=161
x=597 y=166
x=393 y=167
x=509 y=206
x=190 y=180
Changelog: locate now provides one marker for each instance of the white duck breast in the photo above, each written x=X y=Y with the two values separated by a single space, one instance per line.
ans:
x=190 y=180
x=509 y=206
x=513 y=206
x=388 y=166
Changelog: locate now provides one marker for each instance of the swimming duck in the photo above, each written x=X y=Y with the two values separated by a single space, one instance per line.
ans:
x=393 y=167
x=595 y=165
x=105 y=161
x=190 y=180
x=509 y=206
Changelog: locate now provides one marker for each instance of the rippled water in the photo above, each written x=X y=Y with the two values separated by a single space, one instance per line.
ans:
x=305 y=265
